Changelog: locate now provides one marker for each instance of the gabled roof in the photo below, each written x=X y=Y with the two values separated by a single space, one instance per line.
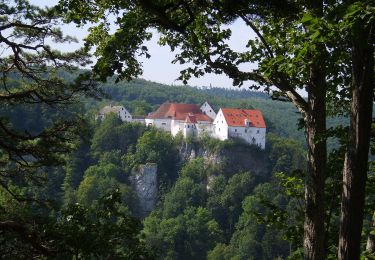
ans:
x=206 y=102
x=238 y=117
x=178 y=112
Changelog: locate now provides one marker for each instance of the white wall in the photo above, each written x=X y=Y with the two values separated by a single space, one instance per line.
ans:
x=176 y=126
x=204 y=127
x=208 y=110
x=220 y=126
x=164 y=124
x=149 y=122
x=189 y=130
x=125 y=115
x=248 y=133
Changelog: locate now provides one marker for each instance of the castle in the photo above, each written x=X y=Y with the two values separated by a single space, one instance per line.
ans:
x=193 y=121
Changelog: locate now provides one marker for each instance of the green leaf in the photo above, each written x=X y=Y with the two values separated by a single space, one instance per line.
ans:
x=306 y=18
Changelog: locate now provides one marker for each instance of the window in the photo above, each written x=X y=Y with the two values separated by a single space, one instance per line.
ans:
x=210 y=110
x=257 y=131
x=235 y=130
x=163 y=123
x=245 y=130
x=188 y=126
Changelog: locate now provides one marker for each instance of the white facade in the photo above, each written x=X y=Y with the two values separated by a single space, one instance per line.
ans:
x=246 y=132
x=220 y=126
x=247 y=125
x=251 y=135
x=125 y=115
x=190 y=130
x=205 y=128
x=162 y=123
x=176 y=126
x=120 y=111
x=208 y=110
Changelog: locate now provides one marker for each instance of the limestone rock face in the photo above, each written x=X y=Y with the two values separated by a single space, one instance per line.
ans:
x=236 y=158
x=144 y=182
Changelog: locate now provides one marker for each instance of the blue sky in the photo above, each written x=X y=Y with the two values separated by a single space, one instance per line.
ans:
x=159 y=68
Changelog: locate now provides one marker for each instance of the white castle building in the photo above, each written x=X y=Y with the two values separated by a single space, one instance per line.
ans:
x=244 y=124
x=189 y=119
x=192 y=120
x=120 y=111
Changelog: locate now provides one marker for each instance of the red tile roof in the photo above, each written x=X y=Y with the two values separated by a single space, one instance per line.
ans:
x=178 y=112
x=191 y=119
x=237 y=117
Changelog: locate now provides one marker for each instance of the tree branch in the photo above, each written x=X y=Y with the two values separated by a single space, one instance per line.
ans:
x=257 y=32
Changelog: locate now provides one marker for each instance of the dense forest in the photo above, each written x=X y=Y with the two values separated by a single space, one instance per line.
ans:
x=190 y=220
x=73 y=187
x=228 y=200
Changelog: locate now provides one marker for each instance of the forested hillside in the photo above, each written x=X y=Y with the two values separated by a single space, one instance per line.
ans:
x=74 y=187
x=202 y=184
x=213 y=198
x=204 y=200
x=142 y=97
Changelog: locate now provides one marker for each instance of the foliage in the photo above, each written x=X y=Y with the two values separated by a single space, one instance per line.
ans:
x=158 y=147
x=189 y=235
x=113 y=134
x=101 y=179
x=31 y=76
x=106 y=231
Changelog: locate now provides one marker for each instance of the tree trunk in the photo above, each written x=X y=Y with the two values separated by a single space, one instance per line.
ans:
x=370 y=246
x=356 y=158
x=315 y=119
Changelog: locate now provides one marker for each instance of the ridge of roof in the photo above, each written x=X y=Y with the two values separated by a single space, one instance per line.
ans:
x=237 y=117
x=178 y=111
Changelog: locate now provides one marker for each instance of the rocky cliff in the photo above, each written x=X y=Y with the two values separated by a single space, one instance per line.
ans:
x=233 y=158
x=144 y=183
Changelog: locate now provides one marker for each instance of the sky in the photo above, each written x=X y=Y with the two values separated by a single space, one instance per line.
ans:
x=159 y=67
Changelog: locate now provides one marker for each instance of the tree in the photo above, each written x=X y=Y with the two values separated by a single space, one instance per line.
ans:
x=32 y=80
x=105 y=231
x=102 y=179
x=188 y=235
x=113 y=134
x=360 y=21
x=157 y=147
x=299 y=45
